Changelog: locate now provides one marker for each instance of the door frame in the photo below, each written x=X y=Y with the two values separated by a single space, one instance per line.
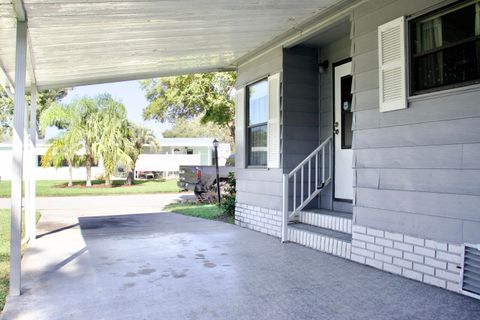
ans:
x=334 y=65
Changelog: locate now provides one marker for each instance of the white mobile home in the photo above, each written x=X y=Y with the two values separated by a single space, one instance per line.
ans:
x=357 y=122
x=362 y=139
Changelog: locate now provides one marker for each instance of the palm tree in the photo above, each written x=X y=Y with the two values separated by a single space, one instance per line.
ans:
x=111 y=143
x=63 y=148
x=78 y=119
x=139 y=137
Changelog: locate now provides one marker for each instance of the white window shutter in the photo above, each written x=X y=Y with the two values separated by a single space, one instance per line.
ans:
x=273 y=142
x=240 y=128
x=392 y=69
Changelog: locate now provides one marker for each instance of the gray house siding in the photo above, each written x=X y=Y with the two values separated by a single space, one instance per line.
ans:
x=259 y=190
x=414 y=175
x=416 y=170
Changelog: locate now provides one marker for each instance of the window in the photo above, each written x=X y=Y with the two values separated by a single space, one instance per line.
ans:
x=257 y=115
x=445 y=48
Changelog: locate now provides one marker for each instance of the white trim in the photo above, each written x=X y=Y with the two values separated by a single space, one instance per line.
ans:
x=444 y=93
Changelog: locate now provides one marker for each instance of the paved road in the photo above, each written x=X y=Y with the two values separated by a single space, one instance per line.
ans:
x=110 y=264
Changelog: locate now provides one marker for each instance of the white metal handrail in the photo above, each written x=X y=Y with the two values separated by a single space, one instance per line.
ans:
x=319 y=176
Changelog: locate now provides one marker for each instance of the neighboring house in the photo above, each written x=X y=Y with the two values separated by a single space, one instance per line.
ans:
x=175 y=152
x=41 y=173
x=387 y=97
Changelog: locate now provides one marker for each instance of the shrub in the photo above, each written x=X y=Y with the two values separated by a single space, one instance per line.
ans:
x=228 y=200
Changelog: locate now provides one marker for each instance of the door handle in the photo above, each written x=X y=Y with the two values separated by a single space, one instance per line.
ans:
x=336 y=131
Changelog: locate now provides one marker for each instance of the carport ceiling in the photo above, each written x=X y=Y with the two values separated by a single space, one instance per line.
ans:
x=77 y=42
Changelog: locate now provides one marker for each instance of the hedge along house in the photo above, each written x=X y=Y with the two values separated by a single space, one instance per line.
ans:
x=362 y=139
x=372 y=159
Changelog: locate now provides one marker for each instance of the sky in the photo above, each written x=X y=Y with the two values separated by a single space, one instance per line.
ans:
x=127 y=92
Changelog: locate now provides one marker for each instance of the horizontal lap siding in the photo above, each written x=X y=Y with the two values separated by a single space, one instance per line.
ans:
x=259 y=187
x=300 y=105
x=417 y=170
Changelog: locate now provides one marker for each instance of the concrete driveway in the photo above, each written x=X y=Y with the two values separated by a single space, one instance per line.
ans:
x=111 y=264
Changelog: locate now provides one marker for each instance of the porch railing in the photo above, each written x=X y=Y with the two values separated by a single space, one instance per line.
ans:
x=305 y=182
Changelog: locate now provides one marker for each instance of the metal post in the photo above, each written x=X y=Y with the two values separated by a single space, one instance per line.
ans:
x=218 y=174
x=17 y=159
x=285 y=209
x=33 y=164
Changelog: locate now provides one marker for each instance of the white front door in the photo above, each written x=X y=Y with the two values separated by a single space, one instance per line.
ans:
x=342 y=128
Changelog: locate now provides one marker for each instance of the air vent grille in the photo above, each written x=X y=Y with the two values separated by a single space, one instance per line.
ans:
x=471 y=270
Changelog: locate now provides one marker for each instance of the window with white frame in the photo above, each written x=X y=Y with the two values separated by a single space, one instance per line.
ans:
x=445 y=48
x=257 y=123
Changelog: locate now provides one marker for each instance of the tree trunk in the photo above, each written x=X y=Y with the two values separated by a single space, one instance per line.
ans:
x=130 y=178
x=88 y=165
x=131 y=173
x=70 y=174
x=108 y=181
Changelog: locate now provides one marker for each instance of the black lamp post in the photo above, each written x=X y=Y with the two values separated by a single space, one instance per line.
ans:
x=215 y=146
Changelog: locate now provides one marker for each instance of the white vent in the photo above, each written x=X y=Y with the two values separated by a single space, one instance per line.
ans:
x=471 y=271
x=391 y=59
x=273 y=155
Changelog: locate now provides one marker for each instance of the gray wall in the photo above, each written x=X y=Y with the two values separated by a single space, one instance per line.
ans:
x=417 y=169
x=300 y=132
x=300 y=105
x=258 y=186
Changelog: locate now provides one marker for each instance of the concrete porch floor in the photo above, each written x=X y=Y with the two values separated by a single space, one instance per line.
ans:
x=168 y=266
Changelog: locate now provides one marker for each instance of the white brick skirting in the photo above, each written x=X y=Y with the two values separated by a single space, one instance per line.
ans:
x=326 y=221
x=259 y=219
x=428 y=261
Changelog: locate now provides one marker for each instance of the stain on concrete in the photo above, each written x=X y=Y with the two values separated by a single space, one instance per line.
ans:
x=129 y=285
x=130 y=274
x=180 y=256
x=226 y=265
x=224 y=254
x=199 y=256
x=181 y=274
x=202 y=250
x=146 y=271
x=209 y=264
x=104 y=258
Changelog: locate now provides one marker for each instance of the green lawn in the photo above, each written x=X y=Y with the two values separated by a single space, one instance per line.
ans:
x=200 y=210
x=5 y=253
x=46 y=188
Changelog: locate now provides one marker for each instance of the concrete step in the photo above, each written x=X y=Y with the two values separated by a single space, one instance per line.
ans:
x=325 y=240
x=333 y=220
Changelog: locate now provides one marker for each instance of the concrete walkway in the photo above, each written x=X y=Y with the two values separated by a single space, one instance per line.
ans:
x=167 y=266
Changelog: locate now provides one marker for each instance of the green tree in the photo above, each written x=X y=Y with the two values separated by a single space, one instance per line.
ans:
x=63 y=148
x=196 y=129
x=139 y=137
x=112 y=131
x=208 y=95
x=79 y=120
x=44 y=100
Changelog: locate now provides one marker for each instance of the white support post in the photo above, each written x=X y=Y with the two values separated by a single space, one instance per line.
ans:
x=17 y=159
x=26 y=174
x=285 y=209
x=32 y=221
